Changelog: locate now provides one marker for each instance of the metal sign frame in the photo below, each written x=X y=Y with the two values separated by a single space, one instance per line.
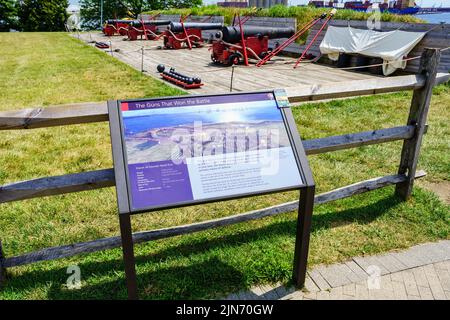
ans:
x=307 y=189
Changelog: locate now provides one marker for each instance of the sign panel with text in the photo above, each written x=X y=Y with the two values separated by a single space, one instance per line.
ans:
x=194 y=149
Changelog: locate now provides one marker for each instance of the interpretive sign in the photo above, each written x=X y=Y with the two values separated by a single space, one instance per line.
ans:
x=186 y=150
x=179 y=151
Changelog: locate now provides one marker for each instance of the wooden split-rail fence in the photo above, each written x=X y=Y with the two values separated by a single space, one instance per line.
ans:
x=421 y=84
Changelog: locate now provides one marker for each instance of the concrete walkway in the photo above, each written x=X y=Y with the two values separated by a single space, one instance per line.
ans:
x=419 y=273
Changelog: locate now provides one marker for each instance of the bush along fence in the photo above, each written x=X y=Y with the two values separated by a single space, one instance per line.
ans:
x=412 y=134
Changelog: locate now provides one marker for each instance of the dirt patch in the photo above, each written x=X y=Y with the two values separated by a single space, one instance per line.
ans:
x=442 y=189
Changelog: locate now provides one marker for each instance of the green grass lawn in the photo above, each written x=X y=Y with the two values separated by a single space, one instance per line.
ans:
x=43 y=69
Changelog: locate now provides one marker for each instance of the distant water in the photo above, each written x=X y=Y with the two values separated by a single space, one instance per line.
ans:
x=435 y=17
x=139 y=124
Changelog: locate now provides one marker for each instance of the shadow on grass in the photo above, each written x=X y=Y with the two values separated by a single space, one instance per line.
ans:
x=205 y=279
x=360 y=215
x=184 y=282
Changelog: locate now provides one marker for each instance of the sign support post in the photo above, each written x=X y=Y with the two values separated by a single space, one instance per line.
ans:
x=306 y=202
x=128 y=255
x=303 y=234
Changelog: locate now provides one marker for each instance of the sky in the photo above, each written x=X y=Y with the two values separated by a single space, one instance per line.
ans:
x=422 y=3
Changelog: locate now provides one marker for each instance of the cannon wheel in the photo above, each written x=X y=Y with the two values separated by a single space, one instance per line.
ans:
x=263 y=54
x=233 y=59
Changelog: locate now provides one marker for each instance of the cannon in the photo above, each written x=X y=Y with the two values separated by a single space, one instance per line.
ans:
x=233 y=34
x=116 y=27
x=230 y=43
x=179 y=79
x=145 y=29
x=179 y=34
x=178 y=26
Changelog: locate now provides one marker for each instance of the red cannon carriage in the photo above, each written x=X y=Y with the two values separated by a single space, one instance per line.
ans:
x=147 y=30
x=180 y=34
x=234 y=44
x=116 y=27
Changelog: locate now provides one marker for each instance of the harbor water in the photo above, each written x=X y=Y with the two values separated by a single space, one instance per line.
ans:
x=435 y=17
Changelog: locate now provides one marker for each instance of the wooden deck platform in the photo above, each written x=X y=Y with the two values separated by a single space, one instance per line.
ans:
x=197 y=62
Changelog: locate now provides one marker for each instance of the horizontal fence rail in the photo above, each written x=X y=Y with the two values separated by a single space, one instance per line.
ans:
x=144 y=236
x=356 y=88
x=90 y=180
x=97 y=111
x=54 y=116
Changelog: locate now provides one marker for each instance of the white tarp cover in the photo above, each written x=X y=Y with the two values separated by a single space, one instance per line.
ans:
x=391 y=46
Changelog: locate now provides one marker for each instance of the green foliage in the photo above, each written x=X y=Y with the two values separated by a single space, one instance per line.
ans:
x=8 y=14
x=112 y=9
x=166 y=4
x=43 y=15
x=117 y=9
x=90 y=11
x=303 y=14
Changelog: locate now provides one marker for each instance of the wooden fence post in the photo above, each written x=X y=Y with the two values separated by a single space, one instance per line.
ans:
x=2 y=268
x=418 y=112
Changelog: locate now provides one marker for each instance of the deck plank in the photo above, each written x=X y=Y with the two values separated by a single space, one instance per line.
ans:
x=197 y=62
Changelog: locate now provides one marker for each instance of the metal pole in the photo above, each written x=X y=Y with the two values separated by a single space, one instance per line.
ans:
x=297 y=35
x=315 y=37
x=144 y=29
x=185 y=32
x=128 y=255
x=231 y=80
x=142 y=60
x=110 y=46
x=101 y=13
x=243 y=44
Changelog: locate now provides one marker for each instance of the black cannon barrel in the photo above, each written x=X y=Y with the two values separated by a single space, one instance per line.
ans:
x=233 y=34
x=138 y=23
x=114 y=21
x=177 y=27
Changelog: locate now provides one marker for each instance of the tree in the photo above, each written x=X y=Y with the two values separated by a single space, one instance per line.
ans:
x=43 y=15
x=8 y=15
x=116 y=9
x=181 y=3
x=112 y=9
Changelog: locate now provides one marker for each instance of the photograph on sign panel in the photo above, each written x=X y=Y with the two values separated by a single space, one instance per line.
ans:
x=169 y=134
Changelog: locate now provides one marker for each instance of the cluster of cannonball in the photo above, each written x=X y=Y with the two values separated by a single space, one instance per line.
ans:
x=173 y=74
